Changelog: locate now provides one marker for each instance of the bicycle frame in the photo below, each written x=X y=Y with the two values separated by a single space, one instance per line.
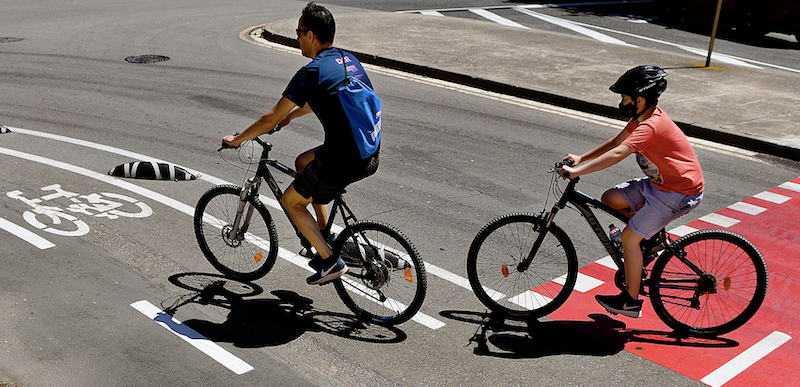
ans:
x=584 y=204
x=263 y=173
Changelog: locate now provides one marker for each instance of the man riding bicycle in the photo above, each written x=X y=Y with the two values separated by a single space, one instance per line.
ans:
x=673 y=186
x=325 y=171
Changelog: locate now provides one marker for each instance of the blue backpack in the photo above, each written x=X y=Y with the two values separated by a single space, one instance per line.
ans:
x=363 y=109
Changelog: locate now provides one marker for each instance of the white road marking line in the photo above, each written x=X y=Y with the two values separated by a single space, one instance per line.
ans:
x=431 y=12
x=719 y=220
x=790 y=186
x=167 y=201
x=718 y=57
x=583 y=284
x=448 y=276
x=111 y=149
x=573 y=27
x=496 y=18
x=723 y=147
x=682 y=230
x=608 y=262
x=233 y=363
x=747 y=208
x=529 y=298
x=25 y=234
x=746 y=359
x=772 y=197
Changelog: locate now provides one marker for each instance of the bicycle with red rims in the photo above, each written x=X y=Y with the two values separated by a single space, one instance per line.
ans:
x=705 y=283
x=386 y=281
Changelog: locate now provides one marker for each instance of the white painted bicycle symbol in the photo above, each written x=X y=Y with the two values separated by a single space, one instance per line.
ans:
x=61 y=221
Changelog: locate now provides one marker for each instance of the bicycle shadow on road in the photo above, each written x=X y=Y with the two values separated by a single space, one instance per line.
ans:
x=600 y=336
x=263 y=322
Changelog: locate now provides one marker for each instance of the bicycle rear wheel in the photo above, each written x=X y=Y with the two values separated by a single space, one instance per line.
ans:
x=505 y=288
x=386 y=280
x=725 y=289
x=247 y=257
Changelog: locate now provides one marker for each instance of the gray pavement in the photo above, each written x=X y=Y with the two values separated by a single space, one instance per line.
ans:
x=749 y=108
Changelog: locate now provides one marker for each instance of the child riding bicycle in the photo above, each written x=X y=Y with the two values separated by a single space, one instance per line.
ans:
x=673 y=186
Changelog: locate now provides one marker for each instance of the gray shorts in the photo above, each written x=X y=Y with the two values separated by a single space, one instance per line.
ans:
x=653 y=208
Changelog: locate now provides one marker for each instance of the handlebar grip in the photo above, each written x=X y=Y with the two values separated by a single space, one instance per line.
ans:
x=559 y=166
x=277 y=128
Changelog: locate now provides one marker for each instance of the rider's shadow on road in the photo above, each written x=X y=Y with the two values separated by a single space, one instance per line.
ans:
x=263 y=322
x=602 y=336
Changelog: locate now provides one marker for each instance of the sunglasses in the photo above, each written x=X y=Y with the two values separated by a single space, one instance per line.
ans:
x=299 y=31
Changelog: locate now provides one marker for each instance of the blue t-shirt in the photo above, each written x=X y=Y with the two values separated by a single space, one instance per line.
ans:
x=317 y=84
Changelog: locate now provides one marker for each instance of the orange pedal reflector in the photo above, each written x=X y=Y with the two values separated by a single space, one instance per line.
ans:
x=727 y=283
x=504 y=269
x=408 y=274
x=258 y=257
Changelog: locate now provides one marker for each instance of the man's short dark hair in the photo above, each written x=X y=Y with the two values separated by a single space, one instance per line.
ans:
x=320 y=21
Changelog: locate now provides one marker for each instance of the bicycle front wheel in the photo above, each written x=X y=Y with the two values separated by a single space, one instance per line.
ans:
x=386 y=280
x=715 y=287
x=246 y=256
x=499 y=281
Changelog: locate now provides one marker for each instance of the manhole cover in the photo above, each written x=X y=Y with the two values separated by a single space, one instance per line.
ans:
x=146 y=58
x=9 y=40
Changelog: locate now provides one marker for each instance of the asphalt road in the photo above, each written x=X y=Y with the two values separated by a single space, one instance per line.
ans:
x=451 y=161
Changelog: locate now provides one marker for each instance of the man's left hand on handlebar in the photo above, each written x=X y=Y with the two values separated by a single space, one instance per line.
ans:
x=229 y=141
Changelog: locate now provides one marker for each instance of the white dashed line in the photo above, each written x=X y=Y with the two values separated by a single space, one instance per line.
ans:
x=719 y=220
x=233 y=363
x=747 y=208
x=496 y=18
x=25 y=234
x=772 y=197
x=746 y=359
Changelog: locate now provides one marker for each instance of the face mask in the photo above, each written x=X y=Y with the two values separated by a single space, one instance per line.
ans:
x=628 y=110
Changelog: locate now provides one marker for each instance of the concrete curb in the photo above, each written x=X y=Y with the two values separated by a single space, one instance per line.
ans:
x=713 y=135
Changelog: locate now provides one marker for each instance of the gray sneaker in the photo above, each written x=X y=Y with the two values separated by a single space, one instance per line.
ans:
x=622 y=304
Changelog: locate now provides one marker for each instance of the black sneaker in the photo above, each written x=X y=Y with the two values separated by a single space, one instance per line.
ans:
x=332 y=268
x=315 y=262
x=622 y=304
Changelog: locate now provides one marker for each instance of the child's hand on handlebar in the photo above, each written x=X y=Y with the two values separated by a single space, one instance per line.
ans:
x=566 y=172
x=564 y=167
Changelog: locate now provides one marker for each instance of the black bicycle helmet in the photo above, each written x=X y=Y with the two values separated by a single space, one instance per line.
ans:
x=642 y=80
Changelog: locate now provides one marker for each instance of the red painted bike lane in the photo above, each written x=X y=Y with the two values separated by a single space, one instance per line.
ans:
x=762 y=352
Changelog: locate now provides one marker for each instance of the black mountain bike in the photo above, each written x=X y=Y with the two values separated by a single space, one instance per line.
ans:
x=706 y=283
x=386 y=283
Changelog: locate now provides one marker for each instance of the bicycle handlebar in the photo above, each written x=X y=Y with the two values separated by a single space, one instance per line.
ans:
x=557 y=167
x=256 y=139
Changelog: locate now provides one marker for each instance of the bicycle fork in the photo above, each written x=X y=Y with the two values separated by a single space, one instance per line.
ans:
x=541 y=228
x=243 y=212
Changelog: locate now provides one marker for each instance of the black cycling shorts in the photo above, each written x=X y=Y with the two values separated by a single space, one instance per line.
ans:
x=323 y=181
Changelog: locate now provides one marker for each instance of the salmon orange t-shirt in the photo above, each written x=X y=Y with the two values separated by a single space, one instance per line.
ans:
x=664 y=154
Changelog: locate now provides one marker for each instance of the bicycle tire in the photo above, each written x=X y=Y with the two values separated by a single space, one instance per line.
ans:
x=386 y=281
x=494 y=257
x=247 y=259
x=734 y=279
